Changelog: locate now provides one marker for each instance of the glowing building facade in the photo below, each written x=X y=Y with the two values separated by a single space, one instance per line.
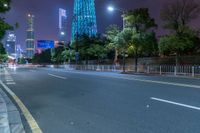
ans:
x=84 y=18
x=11 y=43
x=62 y=25
x=30 y=41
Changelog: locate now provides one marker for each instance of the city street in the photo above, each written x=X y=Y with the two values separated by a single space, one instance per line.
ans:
x=64 y=101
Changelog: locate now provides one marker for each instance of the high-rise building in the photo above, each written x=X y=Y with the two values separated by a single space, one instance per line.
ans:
x=11 y=43
x=62 y=25
x=19 y=51
x=84 y=18
x=30 y=41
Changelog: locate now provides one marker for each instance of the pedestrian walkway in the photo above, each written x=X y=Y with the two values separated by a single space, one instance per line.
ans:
x=4 y=124
x=8 y=78
x=10 y=120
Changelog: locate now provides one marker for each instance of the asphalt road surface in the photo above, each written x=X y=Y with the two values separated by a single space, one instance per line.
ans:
x=92 y=102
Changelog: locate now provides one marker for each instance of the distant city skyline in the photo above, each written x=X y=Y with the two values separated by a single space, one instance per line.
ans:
x=46 y=16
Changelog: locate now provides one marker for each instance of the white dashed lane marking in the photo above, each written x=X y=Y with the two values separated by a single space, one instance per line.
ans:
x=60 y=77
x=10 y=83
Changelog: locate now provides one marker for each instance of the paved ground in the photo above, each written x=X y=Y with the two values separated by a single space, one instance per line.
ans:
x=93 y=102
x=10 y=118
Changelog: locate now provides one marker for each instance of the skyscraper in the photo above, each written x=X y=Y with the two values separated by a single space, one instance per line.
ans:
x=30 y=42
x=62 y=25
x=84 y=18
x=11 y=43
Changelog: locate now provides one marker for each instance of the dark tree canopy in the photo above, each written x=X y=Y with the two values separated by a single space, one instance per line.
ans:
x=2 y=49
x=4 y=7
x=139 y=19
x=179 y=13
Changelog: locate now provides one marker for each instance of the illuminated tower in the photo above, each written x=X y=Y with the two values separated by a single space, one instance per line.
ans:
x=30 y=41
x=84 y=18
x=10 y=43
x=62 y=25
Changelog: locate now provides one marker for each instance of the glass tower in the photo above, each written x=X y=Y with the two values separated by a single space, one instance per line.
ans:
x=62 y=25
x=30 y=42
x=84 y=18
x=10 y=43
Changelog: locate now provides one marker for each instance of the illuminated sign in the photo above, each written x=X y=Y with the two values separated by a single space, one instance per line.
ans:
x=45 y=44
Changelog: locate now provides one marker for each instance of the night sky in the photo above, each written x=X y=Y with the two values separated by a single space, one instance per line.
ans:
x=46 y=15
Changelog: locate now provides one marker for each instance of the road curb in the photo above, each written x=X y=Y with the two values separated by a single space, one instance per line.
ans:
x=29 y=118
x=13 y=121
x=4 y=123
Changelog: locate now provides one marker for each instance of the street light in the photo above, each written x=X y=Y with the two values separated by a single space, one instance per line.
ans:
x=62 y=33
x=112 y=9
x=5 y=5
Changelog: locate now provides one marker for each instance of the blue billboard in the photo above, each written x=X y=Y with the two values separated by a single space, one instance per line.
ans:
x=45 y=44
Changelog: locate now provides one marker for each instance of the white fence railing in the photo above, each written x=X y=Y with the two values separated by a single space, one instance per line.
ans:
x=148 y=69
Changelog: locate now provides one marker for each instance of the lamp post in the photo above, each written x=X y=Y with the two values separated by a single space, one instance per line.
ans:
x=5 y=5
x=112 y=9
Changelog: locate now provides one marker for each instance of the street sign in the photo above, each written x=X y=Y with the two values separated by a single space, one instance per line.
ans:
x=45 y=44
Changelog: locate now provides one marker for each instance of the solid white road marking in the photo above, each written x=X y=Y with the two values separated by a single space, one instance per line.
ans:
x=169 y=83
x=31 y=121
x=159 y=82
x=141 y=80
x=175 y=103
x=60 y=77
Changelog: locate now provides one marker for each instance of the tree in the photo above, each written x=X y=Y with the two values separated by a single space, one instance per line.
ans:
x=69 y=55
x=42 y=58
x=139 y=19
x=179 y=45
x=4 y=7
x=149 y=44
x=111 y=34
x=21 y=61
x=56 y=55
x=3 y=28
x=97 y=51
x=3 y=55
x=89 y=47
x=140 y=22
x=84 y=42
x=122 y=42
x=178 y=14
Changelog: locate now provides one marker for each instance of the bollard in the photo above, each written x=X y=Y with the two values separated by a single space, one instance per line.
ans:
x=175 y=71
x=160 y=70
x=193 y=71
x=148 y=69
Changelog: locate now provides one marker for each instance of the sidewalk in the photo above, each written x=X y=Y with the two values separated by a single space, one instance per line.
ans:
x=10 y=120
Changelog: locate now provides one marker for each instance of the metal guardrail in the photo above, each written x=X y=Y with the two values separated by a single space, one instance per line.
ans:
x=146 y=69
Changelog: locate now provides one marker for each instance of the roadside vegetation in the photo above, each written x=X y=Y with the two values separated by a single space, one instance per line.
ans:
x=137 y=39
